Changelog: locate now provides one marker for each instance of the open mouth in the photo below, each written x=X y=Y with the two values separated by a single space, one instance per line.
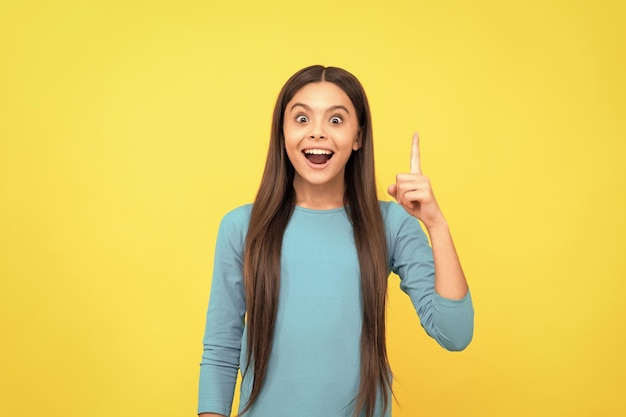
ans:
x=318 y=156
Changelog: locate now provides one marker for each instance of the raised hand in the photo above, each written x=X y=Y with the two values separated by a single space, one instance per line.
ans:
x=414 y=192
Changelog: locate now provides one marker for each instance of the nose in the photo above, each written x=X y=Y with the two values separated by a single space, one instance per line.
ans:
x=317 y=131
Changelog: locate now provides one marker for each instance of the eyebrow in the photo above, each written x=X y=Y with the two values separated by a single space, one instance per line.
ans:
x=332 y=108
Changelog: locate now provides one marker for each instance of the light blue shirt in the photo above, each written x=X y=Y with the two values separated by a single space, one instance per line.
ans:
x=314 y=365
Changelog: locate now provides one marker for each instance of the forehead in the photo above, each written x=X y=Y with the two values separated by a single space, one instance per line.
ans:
x=321 y=95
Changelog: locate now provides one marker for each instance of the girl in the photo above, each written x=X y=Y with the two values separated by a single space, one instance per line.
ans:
x=300 y=277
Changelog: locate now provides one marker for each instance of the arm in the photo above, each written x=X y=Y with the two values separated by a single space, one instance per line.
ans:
x=224 y=321
x=414 y=193
x=449 y=278
x=443 y=302
x=449 y=321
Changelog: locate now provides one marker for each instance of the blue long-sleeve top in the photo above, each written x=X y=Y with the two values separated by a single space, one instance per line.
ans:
x=314 y=365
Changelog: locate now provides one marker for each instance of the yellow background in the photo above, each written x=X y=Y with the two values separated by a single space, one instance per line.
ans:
x=129 y=128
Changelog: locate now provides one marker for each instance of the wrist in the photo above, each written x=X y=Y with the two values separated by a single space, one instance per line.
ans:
x=436 y=224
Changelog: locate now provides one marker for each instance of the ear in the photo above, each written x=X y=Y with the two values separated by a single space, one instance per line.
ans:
x=356 y=145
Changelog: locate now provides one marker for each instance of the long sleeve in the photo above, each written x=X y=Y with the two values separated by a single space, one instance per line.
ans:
x=449 y=322
x=225 y=317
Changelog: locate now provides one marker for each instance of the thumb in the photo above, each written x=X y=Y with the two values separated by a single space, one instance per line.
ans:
x=392 y=190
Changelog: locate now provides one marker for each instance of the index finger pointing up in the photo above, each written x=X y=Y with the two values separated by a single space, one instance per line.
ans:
x=415 y=154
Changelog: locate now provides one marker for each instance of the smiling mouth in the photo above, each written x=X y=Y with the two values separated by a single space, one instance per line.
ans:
x=318 y=156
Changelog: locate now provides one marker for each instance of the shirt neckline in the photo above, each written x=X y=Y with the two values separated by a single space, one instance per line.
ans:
x=319 y=211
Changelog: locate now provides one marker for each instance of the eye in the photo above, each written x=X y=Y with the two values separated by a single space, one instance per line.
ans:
x=336 y=120
x=302 y=119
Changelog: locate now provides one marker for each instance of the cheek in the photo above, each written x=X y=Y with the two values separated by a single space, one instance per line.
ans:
x=288 y=132
x=288 y=138
x=292 y=134
x=292 y=156
x=290 y=145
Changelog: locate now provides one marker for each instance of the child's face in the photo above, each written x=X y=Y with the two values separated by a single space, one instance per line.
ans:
x=321 y=130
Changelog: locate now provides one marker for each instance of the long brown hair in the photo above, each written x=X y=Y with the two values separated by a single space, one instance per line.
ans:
x=271 y=211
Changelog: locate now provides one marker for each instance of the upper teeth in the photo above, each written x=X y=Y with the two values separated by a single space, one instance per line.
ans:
x=318 y=151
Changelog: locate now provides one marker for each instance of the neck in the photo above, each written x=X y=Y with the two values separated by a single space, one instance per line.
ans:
x=319 y=197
